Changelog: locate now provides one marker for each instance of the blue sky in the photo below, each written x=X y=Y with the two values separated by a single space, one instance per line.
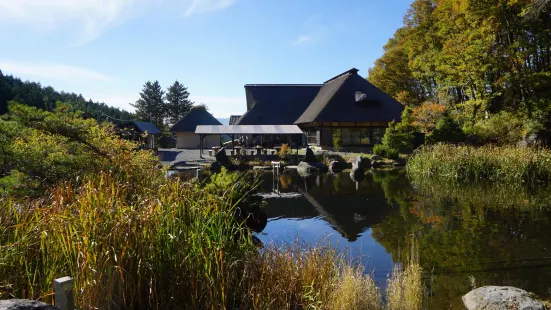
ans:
x=107 y=49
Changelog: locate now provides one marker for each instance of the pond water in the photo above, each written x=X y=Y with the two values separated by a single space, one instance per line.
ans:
x=462 y=235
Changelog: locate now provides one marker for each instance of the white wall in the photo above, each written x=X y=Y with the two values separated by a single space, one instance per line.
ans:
x=190 y=140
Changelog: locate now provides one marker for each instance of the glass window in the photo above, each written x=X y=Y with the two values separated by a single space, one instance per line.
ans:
x=365 y=138
x=355 y=134
x=377 y=135
x=312 y=136
x=346 y=136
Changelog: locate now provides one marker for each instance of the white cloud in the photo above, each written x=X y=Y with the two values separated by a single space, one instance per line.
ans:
x=314 y=32
x=87 y=18
x=204 y=6
x=53 y=71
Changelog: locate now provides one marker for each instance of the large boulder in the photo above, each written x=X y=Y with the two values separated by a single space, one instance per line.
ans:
x=24 y=304
x=360 y=163
x=500 y=297
x=222 y=158
x=305 y=169
x=310 y=157
x=215 y=167
x=337 y=166
x=357 y=175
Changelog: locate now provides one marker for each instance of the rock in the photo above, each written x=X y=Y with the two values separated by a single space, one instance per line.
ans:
x=376 y=157
x=310 y=157
x=377 y=164
x=222 y=158
x=360 y=163
x=262 y=168
x=336 y=166
x=24 y=304
x=305 y=169
x=500 y=297
x=215 y=167
x=242 y=167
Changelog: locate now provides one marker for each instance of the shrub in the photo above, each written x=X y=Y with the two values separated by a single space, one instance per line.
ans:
x=337 y=139
x=385 y=151
x=400 y=136
x=285 y=152
x=506 y=164
x=426 y=116
x=447 y=130
x=501 y=129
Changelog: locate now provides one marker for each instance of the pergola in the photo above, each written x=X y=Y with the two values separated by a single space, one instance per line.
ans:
x=232 y=130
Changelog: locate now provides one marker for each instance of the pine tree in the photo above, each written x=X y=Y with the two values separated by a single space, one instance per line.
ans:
x=177 y=101
x=151 y=106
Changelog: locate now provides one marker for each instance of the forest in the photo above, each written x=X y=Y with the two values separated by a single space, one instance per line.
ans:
x=486 y=64
x=35 y=95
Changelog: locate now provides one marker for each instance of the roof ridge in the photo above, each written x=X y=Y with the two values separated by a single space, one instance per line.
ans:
x=348 y=72
x=249 y=85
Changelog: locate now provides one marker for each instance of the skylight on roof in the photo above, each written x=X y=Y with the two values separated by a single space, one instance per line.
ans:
x=360 y=96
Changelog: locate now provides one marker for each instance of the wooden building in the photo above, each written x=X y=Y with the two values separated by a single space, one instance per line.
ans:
x=184 y=129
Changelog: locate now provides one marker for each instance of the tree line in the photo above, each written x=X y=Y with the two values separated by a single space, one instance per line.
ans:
x=162 y=108
x=35 y=95
x=474 y=58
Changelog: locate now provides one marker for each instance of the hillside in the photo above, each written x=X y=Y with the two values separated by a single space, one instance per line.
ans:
x=36 y=95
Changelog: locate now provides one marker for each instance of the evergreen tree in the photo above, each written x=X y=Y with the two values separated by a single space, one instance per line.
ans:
x=177 y=102
x=151 y=106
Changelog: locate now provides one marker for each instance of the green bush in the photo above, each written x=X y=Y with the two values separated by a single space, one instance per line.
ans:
x=337 y=139
x=400 y=136
x=385 y=151
x=501 y=129
x=447 y=130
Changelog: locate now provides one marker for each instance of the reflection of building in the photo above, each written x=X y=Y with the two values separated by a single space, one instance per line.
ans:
x=335 y=198
x=346 y=105
x=186 y=138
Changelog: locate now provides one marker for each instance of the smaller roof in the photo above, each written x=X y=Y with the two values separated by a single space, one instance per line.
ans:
x=248 y=129
x=144 y=126
x=198 y=115
x=234 y=119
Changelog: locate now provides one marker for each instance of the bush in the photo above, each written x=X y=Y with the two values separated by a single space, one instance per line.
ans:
x=400 y=136
x=500 y=129
x=285 y=152
x=506 y=164
x=385 y=151
x=337 y=139
x=447 y=130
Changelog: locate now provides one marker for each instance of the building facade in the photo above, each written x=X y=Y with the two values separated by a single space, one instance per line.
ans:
x=184 y=129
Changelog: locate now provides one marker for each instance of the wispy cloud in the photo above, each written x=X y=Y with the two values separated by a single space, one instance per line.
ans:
x=85 y=19
x=204 y=6
x=314 y=32
x=52 y=71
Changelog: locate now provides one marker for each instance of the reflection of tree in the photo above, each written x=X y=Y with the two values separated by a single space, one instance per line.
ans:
x=500 y=235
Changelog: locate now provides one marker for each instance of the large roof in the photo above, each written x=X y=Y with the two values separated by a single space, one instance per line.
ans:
x=248 y=129
x=277 y=104
x=141 y=127
x=196 y=116
x=349 y=97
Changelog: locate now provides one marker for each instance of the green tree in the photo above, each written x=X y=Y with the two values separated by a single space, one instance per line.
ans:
x=177 y=102
x=151 y=106
x=447 y=130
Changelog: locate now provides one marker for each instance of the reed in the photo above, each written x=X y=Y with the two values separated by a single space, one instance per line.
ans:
x=506 y=164
x=157 y=243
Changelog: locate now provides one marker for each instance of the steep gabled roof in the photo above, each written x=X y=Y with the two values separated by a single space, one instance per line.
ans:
x=349 y=97
x=277 y=104
x=144 y=126
x=234 y=119
x=198 y=115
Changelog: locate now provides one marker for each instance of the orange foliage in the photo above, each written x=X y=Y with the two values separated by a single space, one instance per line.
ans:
x=427 y=115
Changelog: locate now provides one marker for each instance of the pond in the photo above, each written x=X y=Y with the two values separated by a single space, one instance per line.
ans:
x=463 y=236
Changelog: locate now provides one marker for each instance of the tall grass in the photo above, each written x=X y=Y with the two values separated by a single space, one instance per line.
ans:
x=507 y=164
x=157 y=243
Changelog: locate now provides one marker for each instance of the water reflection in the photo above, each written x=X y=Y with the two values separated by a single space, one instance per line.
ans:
x=499 y=235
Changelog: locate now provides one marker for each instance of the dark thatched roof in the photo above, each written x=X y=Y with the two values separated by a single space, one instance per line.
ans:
x=271 y=104
x=349 y=97
x=144 y=126
x=234 y=119
x=198 y=115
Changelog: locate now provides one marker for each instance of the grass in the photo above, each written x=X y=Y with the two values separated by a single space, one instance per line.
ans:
x=506 y=164
x=157 y=243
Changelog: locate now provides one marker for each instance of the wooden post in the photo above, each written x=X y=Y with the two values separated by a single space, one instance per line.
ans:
x=64 y=296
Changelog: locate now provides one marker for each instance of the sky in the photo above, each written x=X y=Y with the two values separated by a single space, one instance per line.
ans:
x=107 y=49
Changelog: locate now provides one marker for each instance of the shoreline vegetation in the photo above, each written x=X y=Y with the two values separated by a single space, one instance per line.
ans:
x=466 y=164
x=96 y=208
